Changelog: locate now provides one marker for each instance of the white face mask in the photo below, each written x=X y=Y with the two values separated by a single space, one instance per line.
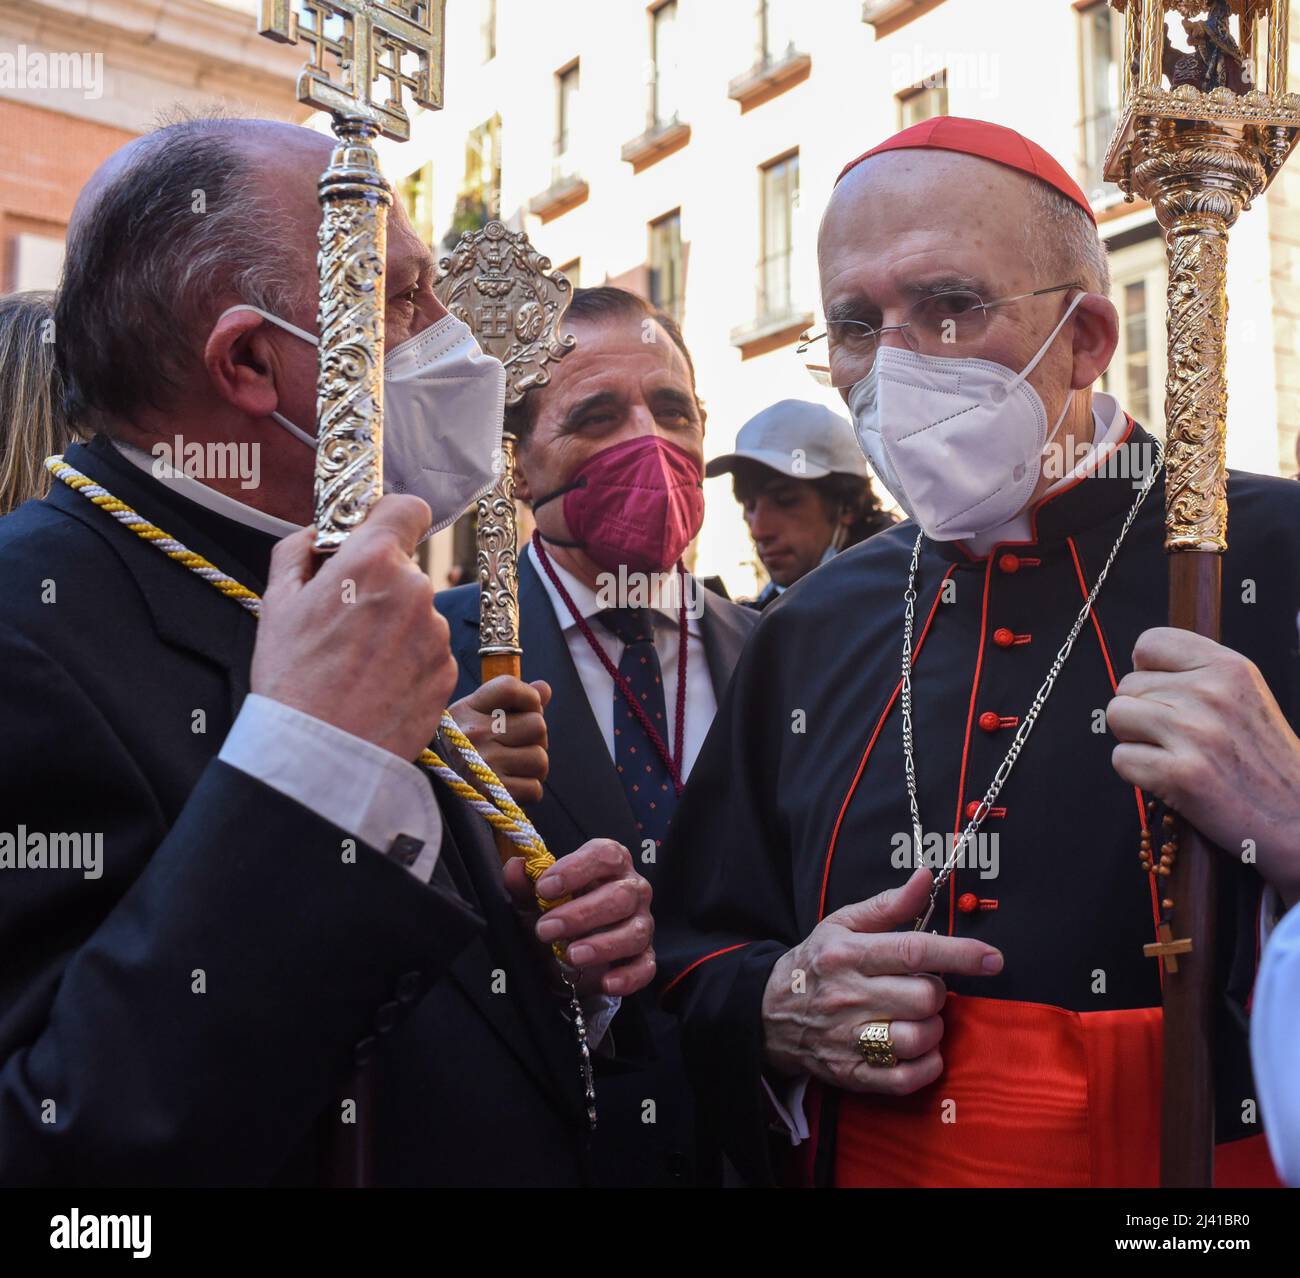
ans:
x=444 y=403
x=958 y=442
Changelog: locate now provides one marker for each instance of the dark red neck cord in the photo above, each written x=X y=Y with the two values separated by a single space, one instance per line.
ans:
x=624 y=688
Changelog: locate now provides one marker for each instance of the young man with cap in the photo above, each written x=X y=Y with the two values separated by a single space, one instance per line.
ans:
x=997 y=1024
x=799 y=476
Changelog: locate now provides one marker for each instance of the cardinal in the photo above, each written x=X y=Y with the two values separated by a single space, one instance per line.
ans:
x=903 y=909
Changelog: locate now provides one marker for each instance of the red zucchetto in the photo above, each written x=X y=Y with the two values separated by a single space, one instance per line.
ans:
x=987 y=141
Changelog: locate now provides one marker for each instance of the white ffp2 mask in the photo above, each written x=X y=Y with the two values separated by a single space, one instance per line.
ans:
x=444 y=403
x=958 y=442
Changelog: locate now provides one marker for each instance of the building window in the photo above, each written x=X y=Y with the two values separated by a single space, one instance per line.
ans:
x=665 y=103
x=36 y=261
x=923 y=101
x=566 y=97
x=479 y=200
x=1136 y=372
x=666 y=264
x=572 y=271
x=1101 y=55
x=483 y=166
x=488 y=29
x=416 y=192
x=775 y=31
x=780 y=183
x=1139 y=275
x=886 y=16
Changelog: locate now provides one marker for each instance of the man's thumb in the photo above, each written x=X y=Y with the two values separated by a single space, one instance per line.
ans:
x=890 y=909
x=543 y=691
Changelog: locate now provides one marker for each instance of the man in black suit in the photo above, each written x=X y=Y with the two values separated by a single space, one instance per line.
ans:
x=610 y=457
x=246 y=940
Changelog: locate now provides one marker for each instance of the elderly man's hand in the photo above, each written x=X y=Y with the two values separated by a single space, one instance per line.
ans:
x=504 y=721
x=354 y=639
x=855 y=968
x=606 y=928
x=1199 y=728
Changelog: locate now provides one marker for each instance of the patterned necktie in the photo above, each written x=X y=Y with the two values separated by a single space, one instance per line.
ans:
x=644 y=775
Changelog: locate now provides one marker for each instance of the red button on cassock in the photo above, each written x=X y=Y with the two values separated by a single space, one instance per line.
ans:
x=989 y=721
x=1003 y=637
x=1009 y=563
x=968 y=903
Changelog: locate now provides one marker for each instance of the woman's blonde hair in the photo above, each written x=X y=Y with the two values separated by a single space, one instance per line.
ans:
x=32 y=424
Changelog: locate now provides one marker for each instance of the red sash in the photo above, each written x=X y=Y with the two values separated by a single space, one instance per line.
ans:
x=1031 y=1095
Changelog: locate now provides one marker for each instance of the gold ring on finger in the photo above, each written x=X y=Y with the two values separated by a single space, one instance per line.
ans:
x=877 y=1046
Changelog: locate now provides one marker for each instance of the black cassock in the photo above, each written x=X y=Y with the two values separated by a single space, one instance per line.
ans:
x=796 y=803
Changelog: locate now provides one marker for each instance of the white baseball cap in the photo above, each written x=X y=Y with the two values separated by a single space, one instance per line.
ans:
x=796 y=438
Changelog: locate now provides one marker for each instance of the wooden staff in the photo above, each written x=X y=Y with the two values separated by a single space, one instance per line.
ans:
x=1200 y=154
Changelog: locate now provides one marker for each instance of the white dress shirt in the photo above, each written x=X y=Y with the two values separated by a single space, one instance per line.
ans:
x=597 y=683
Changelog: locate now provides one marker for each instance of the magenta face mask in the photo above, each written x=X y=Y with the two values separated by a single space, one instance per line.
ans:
x=635 y=504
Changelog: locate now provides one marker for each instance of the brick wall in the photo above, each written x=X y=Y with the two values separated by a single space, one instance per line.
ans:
x=45 y=160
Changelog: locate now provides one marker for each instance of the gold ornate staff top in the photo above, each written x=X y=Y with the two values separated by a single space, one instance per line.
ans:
x=367 y=40
x=1200 y=135
x=505 y=291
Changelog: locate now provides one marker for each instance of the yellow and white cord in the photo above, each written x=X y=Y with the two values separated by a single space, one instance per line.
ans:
x=499 y=810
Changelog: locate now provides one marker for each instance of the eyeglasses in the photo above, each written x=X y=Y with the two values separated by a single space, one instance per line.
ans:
x=950 y=323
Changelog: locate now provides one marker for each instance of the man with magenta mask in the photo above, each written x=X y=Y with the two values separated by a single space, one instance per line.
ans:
x=625 y=657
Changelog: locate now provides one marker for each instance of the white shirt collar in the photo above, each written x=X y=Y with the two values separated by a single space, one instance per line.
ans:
x=1109 y=424
x=664 y=595
x=201 y=495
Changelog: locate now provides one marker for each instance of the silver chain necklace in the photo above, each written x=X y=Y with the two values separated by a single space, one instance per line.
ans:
x=1026 y=725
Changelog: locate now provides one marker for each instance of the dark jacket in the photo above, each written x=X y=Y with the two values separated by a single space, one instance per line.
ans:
x=583 y=799
x=778 y=828
x=120 y=675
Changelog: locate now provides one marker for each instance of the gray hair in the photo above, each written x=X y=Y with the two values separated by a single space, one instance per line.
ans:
x=1064 y=242
x=181 y=226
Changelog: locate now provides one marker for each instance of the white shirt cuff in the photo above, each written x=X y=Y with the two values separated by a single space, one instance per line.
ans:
x=356 y=785
x=791 y=1113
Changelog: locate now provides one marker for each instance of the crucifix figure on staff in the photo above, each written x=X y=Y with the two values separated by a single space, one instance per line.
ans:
x=910 y=893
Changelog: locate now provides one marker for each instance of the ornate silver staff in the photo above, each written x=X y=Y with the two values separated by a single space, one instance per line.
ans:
x=505 y=291
x=367 y=39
